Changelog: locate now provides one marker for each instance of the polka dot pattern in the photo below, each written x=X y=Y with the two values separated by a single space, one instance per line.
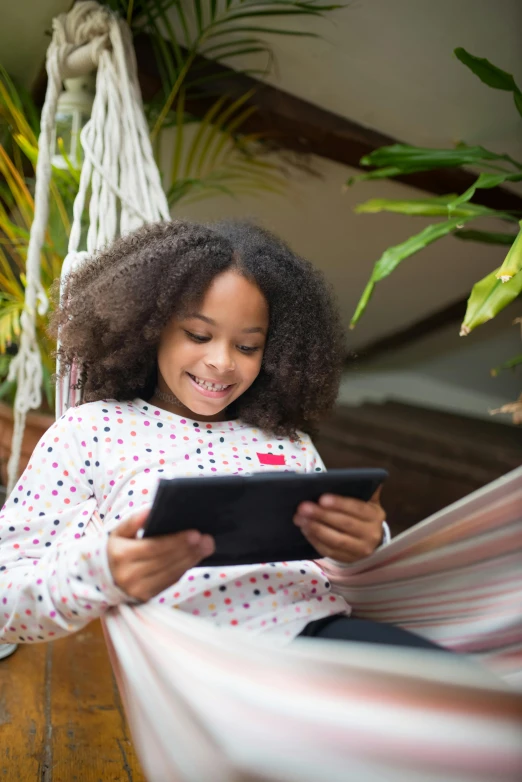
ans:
x=108 y=457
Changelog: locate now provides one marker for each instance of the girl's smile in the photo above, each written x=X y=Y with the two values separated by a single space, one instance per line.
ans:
x=211 y=355
x=211 y=389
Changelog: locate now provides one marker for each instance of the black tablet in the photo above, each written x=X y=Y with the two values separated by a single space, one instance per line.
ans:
x=250 y=517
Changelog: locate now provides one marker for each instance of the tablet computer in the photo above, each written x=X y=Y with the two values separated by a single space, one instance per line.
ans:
x=250 y=516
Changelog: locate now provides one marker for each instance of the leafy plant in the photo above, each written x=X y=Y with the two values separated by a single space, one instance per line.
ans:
x=209 y=155
x=18 y=154
x=503 y=285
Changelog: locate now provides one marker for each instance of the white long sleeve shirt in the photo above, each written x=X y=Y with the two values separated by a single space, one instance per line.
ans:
x=108 y=457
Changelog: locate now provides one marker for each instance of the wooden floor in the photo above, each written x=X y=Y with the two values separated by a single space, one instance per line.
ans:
x=61 y=717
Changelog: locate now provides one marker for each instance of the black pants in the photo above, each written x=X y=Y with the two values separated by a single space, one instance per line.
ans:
x=346 y=628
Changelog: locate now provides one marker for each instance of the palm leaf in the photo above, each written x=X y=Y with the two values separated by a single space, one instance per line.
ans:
x=393 y=256
x=178 y=139
x=491 y=75
x=484 y=181
x=486 y=237
x=216 y=162
x=438 y=206
x=195 y=26
x=401 y=159
x=163 y=44
x=220 y=50
x=10 y=312
x=205 y=127
x=228 y=121
x=181 y=32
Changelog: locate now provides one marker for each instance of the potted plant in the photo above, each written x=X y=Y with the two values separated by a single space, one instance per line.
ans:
x=503 y=285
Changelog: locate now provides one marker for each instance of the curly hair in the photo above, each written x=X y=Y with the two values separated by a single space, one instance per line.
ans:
x=115 y=308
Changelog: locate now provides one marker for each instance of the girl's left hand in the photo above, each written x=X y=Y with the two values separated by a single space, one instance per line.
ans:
x=342 y=528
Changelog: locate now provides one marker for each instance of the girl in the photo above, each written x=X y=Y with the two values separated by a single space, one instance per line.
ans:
x=204 y=350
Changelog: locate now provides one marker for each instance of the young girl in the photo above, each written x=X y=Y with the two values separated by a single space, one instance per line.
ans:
x=204 y=351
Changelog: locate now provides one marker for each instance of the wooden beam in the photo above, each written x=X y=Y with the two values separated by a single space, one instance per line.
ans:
x=301 y=126
x=451 y=314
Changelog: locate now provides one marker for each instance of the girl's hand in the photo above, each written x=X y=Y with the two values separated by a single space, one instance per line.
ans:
x=342 y=528
x=143 y=568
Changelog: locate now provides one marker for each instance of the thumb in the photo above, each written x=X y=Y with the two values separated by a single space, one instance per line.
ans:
x=376 y=499
x=130 y=527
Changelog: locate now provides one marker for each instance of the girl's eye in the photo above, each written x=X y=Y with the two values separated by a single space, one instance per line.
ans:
x=196 y=337
x=199 y=339
x=245 y=349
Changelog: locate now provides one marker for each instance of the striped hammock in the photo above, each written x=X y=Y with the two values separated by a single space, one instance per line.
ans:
x=208 y=703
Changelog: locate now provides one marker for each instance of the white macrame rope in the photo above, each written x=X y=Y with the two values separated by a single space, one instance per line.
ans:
x=119 y=169
x=26 y=366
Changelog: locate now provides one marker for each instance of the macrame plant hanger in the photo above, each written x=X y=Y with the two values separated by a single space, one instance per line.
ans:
x=208 y=703
x=119 y=169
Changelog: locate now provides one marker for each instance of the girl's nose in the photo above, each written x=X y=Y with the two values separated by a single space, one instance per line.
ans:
x=221 y=360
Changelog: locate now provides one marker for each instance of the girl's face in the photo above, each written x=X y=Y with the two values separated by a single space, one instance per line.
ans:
x=209 y=356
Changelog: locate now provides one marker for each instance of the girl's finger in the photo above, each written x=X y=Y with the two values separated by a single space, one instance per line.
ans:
x=342 y=522
x=147 y=578
x=166 y=547
x=336 y=545
x=130 y=527
x=337 y=521
x=365 y=511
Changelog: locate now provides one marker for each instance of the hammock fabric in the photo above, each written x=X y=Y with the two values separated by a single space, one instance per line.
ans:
x=212 y=704
x=208 y=703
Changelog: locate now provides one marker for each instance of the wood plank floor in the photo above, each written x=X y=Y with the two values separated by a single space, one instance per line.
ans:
x=61 y=717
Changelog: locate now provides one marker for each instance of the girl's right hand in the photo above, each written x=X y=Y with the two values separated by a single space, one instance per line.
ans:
x=144 y=567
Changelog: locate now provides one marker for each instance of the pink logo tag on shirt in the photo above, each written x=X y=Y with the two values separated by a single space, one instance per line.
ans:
x=273 y=459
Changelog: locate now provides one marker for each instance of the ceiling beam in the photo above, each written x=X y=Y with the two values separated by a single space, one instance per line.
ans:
x=303 y=127
x=446 y=316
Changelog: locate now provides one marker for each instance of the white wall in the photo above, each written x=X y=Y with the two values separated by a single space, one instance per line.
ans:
x=444 y=371
x=389 y=65
x=24 y=35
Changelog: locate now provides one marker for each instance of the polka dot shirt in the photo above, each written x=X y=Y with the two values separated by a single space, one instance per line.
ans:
x=107 y=458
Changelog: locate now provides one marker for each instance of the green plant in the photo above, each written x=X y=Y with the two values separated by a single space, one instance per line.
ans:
x=503 y=285
x=18 y=154
x=210 y=155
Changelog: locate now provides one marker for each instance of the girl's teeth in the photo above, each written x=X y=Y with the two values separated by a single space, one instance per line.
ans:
x=208 y=386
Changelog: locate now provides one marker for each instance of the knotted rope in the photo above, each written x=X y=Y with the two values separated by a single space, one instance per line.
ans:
x=118 y=167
